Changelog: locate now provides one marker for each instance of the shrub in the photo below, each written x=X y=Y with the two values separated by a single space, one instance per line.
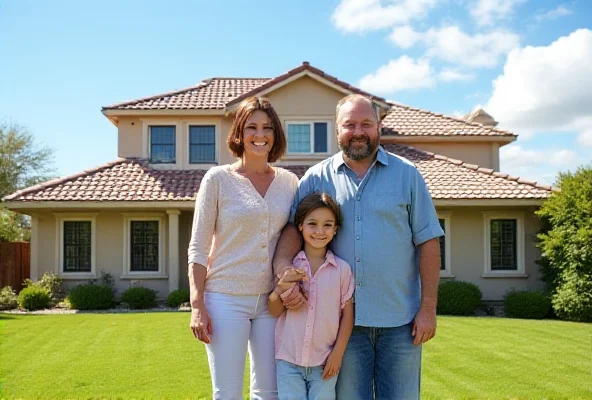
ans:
x=178 y=297
x=458 y=298
x=528 y=305
x=139 y=297
x=573 y=299
x=8 y=299
x=54 y=286
x=90 y=297
x=566 y=243
x=34 y=298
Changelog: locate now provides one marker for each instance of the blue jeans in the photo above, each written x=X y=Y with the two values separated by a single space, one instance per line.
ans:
x=382 y=361
x=303 y=383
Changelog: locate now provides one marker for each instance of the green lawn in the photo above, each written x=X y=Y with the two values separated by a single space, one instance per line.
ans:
x=154 y=355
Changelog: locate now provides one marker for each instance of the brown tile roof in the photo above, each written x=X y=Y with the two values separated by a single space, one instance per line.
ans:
x=134 y=180
x=211 y=93
x=408 y=121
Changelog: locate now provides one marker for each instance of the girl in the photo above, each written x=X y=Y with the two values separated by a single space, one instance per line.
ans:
x=311 y=340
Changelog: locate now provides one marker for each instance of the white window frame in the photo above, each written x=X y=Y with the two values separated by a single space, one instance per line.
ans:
x=146 y=124
x=520 y=272
x=186 y=124
x=59 y=253
x=312 y=134
x=447 y=271
x=127 y=220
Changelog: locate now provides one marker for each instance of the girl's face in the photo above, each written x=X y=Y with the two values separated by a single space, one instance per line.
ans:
x=258 y=135
x=318 y=227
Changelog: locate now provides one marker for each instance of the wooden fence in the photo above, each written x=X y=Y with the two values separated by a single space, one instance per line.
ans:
x=15 y=264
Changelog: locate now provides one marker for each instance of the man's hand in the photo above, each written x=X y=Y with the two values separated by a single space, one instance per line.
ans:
x=424 y=326
x=201 y=324
x=332 y=365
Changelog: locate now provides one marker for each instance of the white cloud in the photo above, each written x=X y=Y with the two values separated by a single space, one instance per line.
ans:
x=451 y=44
x=487 y=12
x=541 y=165
x=560 y=11
x=405 y=37
x=547 y=88
x=404 y=73
x=368 y=15
x=454 y=75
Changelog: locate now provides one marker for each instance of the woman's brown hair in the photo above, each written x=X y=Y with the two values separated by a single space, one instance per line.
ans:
x=246 y=108
x=314 y=201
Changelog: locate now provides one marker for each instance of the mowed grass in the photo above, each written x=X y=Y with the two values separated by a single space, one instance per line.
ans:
x=154 y=355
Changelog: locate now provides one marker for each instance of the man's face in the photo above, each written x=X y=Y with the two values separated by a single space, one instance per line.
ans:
x=358 y=131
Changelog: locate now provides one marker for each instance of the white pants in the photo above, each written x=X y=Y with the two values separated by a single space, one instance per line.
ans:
x=238 y=322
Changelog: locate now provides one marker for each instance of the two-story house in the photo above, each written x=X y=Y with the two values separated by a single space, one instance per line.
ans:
x=132 y=217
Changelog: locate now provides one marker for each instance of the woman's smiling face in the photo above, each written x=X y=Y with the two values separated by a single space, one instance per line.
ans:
x=258 y=135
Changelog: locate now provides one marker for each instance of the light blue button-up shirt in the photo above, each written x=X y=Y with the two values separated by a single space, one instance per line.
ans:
x=385 y=216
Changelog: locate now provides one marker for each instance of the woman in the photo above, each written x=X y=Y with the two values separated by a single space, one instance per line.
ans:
x=239 y=213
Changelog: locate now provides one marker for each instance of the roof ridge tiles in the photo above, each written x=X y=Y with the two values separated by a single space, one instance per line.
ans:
x=469 y=123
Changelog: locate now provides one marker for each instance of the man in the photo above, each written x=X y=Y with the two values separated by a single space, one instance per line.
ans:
x=389 y=236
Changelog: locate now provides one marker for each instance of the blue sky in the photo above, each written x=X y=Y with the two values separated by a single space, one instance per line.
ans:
x=527 y=62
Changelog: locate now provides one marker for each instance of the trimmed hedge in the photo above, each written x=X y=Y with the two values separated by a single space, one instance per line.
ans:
x=90 y=297
x=34 y=298
x=8 y=299
x=139 y=297
x=178 y=297
x=458 y=298
x=525 y=304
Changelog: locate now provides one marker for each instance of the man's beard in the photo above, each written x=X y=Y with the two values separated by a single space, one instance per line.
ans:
x=360 y=153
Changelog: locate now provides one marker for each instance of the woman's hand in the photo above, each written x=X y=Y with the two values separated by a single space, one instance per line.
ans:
x=289 y=278
x=201 y=324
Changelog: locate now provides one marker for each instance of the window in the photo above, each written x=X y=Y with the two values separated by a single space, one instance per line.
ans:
x=503 y=245
x=445 y=252
x=162 y=144
x=143 y=251
x=75 y=245
x=504 y=242
x=307 y=137
x=442 y=245
x=202 y=144
x=144 y=246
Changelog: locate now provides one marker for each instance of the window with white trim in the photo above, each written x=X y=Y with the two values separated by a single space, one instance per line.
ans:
x=504 y=235
x=75 y=246
x=162 y=144
x=445 y=252
x=307 y=137
x=143 y=245
x=202 y=144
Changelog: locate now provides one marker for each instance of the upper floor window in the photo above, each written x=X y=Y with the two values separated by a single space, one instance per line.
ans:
x=162 y=144
x=307 y=137
x=202 y=144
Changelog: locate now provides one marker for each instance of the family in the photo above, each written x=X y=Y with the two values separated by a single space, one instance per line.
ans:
x=330 y=283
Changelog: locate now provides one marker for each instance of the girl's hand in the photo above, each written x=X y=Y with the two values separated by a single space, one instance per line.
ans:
x=201 y=324
x=332 y=366
x=289 y=278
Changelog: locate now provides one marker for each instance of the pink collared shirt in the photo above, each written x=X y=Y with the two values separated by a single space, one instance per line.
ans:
x=306 y=336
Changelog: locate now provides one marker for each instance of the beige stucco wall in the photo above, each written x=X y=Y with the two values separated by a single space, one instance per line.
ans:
x=129 y=137
x=108 y=247
x=467 y=241
x=483 y=154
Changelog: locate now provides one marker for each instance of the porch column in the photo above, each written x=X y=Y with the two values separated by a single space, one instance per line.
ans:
x=173 y=253
x=34 y=260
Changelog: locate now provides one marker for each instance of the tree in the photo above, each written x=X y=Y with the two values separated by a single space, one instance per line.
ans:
x=22 y=164
x=566 y=242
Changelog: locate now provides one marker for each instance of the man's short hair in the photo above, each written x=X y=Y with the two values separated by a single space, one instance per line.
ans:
x=358 y=98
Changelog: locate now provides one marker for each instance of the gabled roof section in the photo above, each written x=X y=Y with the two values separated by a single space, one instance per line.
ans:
x=305 y=69
x=133 y=180
x=209 y=94
x=402 y=120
